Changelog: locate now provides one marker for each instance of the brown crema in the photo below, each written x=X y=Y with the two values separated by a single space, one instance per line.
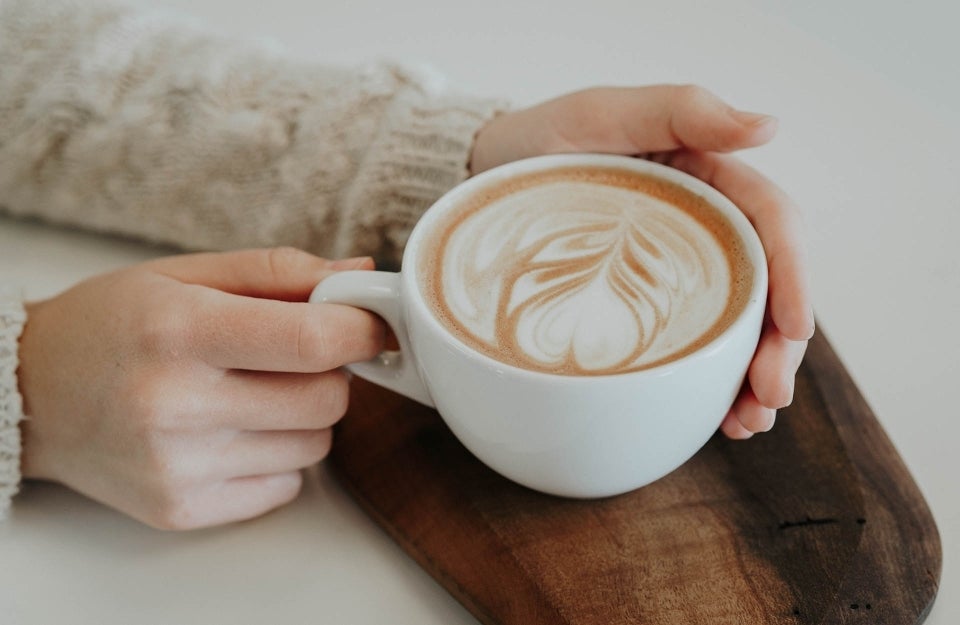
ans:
x=591 y=287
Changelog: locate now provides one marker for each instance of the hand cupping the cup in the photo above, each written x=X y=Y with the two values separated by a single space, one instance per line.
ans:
x=582 y=322
x=690 y=129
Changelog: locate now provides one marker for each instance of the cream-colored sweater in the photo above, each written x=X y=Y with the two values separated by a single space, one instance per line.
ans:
x=124 y=121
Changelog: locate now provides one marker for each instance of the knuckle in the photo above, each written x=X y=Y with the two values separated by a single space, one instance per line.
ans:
x=686 y=94
x=798 y=350
x=372 y=338
x=166 y=473
x=169 y=486
x=570 y=117
x=282 y=261
x=286 y=488
x=336 y=397
x=774 y=202
x=312 y=338
x=175 y=513
x=156 y=425
x=780 y=395
x=321 y=443
x=162 y=331
x=151 y=406
x=324 y=338
x=326 y=443
x=586 y=100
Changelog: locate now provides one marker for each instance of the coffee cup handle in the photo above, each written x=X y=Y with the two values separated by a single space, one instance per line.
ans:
x=378 y=292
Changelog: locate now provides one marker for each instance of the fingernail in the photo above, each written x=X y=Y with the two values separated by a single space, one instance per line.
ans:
x=788 y=384
x=771 y=422
x=751 y=119
x=350 y=263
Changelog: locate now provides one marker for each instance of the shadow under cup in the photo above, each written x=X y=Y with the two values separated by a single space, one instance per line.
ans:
x=574 y=433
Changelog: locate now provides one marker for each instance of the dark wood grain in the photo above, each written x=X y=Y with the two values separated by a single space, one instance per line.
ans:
x=817 y=521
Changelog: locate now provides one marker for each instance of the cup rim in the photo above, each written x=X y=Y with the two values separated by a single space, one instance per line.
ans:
x=742 y=225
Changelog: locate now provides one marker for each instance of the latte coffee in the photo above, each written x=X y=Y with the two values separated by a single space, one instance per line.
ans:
x=584 y=271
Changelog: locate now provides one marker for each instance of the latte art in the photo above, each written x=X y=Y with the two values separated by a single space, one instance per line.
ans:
x=584 y=272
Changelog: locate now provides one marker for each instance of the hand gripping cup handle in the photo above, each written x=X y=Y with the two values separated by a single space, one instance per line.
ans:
x=378 y=292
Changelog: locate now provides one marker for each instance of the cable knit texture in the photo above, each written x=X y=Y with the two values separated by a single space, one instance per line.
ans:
x=12 y=318
x=122 y=120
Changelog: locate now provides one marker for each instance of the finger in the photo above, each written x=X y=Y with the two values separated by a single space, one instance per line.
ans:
x=773 y=372
x=778 y=223
x=732 y=428
x=625 y=120
x=260 y=400
x=283 y=273
x=238 y=332
x=752 y=415
x=262 y=453
x=233 y=500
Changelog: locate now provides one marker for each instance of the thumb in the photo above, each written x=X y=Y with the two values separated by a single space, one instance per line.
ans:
x=658 y=118
x=282 y=273
x=687 y=116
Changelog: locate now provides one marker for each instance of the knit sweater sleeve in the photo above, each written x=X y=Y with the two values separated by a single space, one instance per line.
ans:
x=118 y=119
x=121 y=120
x=12 y=318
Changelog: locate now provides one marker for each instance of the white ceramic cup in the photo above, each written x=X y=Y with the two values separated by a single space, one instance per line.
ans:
x=588 y=436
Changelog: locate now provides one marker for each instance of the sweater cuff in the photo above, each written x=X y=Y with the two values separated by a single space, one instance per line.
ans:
x=421 y=150
x=12 y=318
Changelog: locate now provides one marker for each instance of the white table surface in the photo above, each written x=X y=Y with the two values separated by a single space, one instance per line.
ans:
x=868 y=97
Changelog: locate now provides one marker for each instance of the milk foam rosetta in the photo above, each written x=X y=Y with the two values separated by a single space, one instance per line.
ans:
x=585 y=272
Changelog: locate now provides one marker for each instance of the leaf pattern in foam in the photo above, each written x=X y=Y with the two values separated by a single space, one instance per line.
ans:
x=585 y=277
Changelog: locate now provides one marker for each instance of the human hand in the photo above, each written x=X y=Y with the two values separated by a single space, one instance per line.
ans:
x=182 y=392
x=688 y=128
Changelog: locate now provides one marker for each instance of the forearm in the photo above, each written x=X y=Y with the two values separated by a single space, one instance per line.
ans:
x=116 y=120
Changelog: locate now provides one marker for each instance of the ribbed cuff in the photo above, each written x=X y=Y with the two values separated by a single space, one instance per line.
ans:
x=12 y=318
x=421 y=151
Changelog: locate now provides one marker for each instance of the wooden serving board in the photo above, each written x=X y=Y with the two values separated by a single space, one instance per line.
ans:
x=817 y=521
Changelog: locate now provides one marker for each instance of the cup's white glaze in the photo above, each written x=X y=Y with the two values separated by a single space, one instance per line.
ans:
x=589 y=436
